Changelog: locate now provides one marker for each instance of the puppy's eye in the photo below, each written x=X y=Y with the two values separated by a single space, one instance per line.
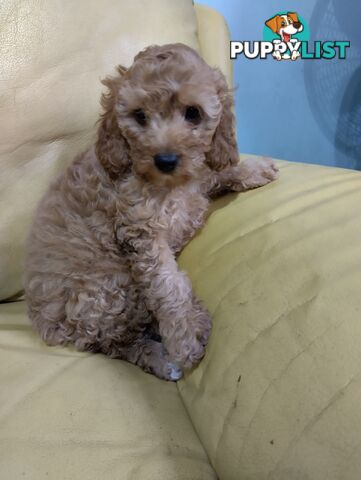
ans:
x=283 y=24
x=192 y=115
x=140 y=117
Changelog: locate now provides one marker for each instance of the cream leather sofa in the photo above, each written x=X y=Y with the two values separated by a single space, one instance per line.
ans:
x=278 y=394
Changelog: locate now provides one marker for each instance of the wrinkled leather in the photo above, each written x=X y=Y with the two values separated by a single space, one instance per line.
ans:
x=67 y=415
x=53 y=55
x=278 y=394
x=64 y=414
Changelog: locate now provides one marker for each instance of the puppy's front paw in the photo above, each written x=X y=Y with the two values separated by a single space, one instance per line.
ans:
x=192 y=353
x=174 y=372
x=256 y=172
x=192 y=348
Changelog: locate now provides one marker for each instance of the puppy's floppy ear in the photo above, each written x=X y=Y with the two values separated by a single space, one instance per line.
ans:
x=111 y=147
x=294 y=16
x=272 y=23
x=223 y=151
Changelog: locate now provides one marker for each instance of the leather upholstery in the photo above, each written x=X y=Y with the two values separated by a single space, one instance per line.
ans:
x=53 y=56
x=67 y=415
x=277 y=395
x=213 y=37
x=64 y=414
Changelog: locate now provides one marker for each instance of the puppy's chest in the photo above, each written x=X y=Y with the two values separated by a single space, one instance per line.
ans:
x=182 y=215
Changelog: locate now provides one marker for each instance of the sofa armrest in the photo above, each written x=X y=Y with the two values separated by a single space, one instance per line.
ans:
x=213 y=37
x=278 y=393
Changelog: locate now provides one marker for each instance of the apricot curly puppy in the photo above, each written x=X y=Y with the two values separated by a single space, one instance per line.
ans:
x=101 y=270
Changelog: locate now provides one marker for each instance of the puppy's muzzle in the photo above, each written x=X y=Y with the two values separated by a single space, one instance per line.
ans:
x=297 y=25
x=166 y=162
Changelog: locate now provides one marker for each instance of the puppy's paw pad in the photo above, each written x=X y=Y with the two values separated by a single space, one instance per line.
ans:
x=174 y=372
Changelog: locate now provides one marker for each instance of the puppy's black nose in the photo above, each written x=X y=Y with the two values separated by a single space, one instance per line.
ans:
x=297 y=25
x=166 y=162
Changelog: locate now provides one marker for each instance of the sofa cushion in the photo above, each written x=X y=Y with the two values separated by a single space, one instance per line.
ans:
x=53 y=56
x=277 y=395
x=69 y=415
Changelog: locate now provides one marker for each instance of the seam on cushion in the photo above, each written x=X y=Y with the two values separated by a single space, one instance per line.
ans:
x=196 y=432
x=17 y=297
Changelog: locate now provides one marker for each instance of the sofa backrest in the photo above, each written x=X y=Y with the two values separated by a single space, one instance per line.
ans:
x=53 y=55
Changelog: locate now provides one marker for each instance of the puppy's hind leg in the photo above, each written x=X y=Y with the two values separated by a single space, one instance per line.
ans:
x=109 y=333
x=96 y=320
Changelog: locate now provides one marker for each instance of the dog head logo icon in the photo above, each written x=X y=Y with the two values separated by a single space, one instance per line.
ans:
x=286 y=26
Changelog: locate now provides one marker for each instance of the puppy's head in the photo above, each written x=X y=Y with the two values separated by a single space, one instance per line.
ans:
x=166 y=117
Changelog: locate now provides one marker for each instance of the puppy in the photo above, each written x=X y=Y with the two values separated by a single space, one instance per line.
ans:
x=101 y=271
x=285 y=26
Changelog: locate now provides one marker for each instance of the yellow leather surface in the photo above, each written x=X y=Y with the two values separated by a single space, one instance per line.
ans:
x=278 y=394
x=63 y=414
x=53 y=55
x=213 y=37
x=66 y=415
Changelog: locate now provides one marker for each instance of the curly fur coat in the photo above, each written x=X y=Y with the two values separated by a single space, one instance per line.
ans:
x=101 y=271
